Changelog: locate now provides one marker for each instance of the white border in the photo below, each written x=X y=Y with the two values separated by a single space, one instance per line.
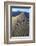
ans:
x=30 y=24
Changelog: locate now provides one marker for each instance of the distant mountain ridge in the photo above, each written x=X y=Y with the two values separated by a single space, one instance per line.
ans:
x=18 y=12
x=15 y=13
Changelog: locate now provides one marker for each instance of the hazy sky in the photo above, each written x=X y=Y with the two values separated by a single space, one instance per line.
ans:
x=21 y=9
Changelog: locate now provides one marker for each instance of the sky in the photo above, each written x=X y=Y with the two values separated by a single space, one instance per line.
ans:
x=21 y=9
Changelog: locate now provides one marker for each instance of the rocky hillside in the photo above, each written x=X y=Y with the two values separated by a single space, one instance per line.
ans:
x=20 y=25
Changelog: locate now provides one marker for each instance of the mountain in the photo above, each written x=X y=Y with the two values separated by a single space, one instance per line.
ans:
x=26 y=14
x=20 y=25
x=15 y=13
x=18 y=12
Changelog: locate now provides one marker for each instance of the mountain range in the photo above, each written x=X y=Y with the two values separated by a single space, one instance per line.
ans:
x=18 y=12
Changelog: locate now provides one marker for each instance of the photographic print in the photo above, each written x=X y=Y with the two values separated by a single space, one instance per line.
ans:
x=19 y=22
